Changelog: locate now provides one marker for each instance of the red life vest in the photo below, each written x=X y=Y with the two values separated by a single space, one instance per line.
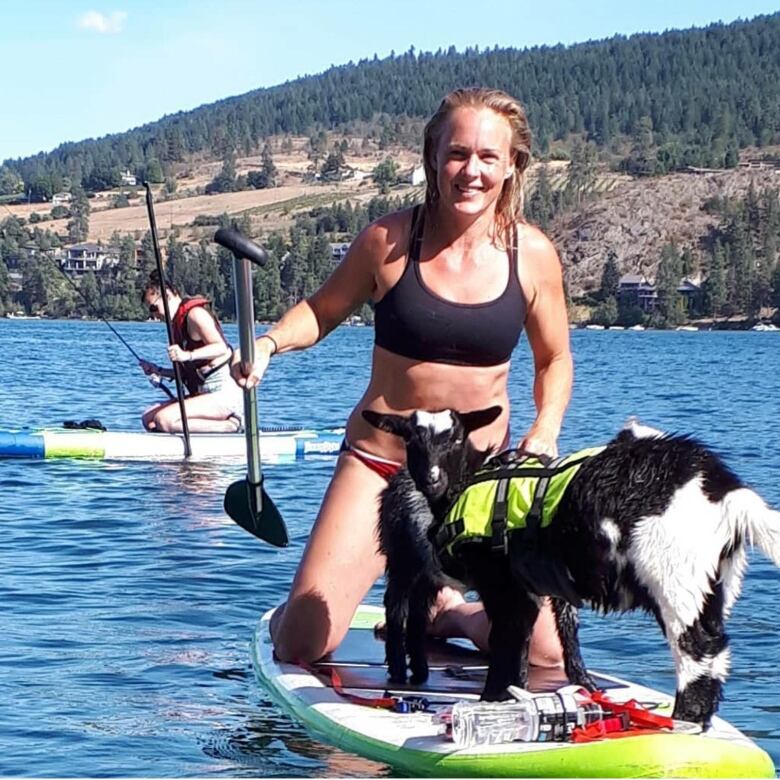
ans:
x=191 y=370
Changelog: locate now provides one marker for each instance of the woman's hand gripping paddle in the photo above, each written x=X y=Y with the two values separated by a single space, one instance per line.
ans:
x=246 y=501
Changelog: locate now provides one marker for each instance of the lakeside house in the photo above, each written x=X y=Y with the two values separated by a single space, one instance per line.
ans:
x=637 y=290
x=81 y=258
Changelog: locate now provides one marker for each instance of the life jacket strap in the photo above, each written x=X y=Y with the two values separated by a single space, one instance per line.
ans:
x=448 y=533
x=499 y=538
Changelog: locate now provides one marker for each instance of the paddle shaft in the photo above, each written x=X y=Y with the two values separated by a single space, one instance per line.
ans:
x=242 y=274
x=168 y=324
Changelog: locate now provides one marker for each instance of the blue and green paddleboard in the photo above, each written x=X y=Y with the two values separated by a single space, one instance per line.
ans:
x=413 y=743
x=275 y=445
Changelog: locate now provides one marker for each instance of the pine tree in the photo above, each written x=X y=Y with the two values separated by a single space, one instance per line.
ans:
x=78 y=226
x=715 y=285
x=610 y=277
x=541 y=205
x=670 y=303
x=5 y=288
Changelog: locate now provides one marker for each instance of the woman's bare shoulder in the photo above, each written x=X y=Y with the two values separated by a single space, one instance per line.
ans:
x=386 y=237
x=537 y=249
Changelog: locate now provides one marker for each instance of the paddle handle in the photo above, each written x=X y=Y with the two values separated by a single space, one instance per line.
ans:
x=240 y=245
x=242 y=274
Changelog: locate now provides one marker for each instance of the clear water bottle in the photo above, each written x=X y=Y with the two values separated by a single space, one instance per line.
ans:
x=541 y=717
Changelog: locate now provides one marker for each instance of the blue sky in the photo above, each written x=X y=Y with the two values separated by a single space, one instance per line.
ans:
x=72 y=70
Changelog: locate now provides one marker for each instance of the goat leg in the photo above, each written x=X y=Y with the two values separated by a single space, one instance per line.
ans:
x=396 y=613
x=512 y=621
x=567 y=626
x=422 y=599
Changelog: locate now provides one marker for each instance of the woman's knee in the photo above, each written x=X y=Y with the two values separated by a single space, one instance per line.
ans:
x=304 y=630
x=165 y=422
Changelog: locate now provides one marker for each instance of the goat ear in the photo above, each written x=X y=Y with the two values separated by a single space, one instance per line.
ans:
x=390 y=423
x=480 y=418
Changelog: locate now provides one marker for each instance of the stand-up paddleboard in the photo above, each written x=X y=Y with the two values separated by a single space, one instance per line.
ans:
x=413 y=742
x=276 y=445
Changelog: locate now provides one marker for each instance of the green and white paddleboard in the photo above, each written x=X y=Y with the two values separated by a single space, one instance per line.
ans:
x=413 y=743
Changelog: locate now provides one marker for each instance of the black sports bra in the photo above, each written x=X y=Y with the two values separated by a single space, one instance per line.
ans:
x=413 y=321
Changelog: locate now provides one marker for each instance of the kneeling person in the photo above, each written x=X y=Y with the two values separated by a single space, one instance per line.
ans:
x=214 y=402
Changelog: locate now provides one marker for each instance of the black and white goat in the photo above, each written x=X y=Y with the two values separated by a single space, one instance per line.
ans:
x=653 y=522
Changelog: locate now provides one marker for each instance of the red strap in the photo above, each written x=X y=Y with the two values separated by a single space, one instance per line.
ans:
x=630 y=719
x=600 y=729
x=378 y=702
x=639 y=715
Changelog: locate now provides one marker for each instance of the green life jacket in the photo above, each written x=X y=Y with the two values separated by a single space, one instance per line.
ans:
x=514 y=497
x=504 y=497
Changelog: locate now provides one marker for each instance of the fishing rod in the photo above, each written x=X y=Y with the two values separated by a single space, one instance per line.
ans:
x=154 y=379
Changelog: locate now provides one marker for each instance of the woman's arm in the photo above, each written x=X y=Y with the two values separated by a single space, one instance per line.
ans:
x=547 y=327
x=201 y=326
x=350 y=284
x=152 y=368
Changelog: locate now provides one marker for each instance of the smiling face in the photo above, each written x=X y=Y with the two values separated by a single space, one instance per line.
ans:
x=473 y=159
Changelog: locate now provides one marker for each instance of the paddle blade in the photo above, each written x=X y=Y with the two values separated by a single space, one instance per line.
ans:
x=241 y=504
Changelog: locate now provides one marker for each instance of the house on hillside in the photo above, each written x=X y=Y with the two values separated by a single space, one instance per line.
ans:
x=338 y=251
x=693 y=295
x=127 y=178
x=417 y=176
x=80 y=258
x=636 y=290
x=61 y=199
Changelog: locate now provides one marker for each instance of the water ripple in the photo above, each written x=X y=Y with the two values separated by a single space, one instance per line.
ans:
x=129 y=598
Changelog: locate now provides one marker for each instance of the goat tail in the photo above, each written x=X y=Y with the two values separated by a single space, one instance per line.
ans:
x=749 y=516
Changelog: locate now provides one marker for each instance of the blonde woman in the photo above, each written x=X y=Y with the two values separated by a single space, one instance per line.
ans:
x=455 y=282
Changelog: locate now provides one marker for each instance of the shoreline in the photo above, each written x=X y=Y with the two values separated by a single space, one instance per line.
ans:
x=762 y=325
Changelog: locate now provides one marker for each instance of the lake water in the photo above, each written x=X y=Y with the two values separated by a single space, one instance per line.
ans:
x=129 y=598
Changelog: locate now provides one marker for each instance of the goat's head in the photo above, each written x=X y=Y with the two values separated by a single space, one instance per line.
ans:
x=437 y=450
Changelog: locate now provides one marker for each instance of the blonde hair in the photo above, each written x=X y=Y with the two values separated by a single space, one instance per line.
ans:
x=509 y=209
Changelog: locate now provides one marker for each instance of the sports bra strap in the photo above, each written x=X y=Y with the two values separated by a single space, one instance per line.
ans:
x=416 y=234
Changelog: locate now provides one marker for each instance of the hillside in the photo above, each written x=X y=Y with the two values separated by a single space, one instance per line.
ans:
x=699 y=95
x=633 y=217
x=269 y=209
x=637 y=217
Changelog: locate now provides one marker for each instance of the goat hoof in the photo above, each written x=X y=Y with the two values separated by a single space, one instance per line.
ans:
x=418 y=678
x=502 y=695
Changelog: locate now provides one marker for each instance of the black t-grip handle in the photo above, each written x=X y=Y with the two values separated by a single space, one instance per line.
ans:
x=240 y=245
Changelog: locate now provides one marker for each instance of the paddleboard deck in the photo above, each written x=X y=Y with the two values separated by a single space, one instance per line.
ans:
x=275 y=445
x=413 y=742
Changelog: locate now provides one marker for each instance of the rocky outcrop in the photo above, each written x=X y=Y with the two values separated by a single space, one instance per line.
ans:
x=639 y=216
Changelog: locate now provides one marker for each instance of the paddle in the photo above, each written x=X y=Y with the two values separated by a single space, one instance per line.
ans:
x=169 y=327
x=246 y=501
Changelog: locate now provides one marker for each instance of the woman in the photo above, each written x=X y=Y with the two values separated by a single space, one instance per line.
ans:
x=215 y=402
x=454 y=282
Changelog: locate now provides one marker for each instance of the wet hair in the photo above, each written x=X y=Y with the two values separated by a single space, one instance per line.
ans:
x=509 y=208
x=153 y=284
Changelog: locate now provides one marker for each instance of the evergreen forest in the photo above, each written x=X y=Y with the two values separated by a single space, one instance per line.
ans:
x=697 y=96
x=645 y=105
